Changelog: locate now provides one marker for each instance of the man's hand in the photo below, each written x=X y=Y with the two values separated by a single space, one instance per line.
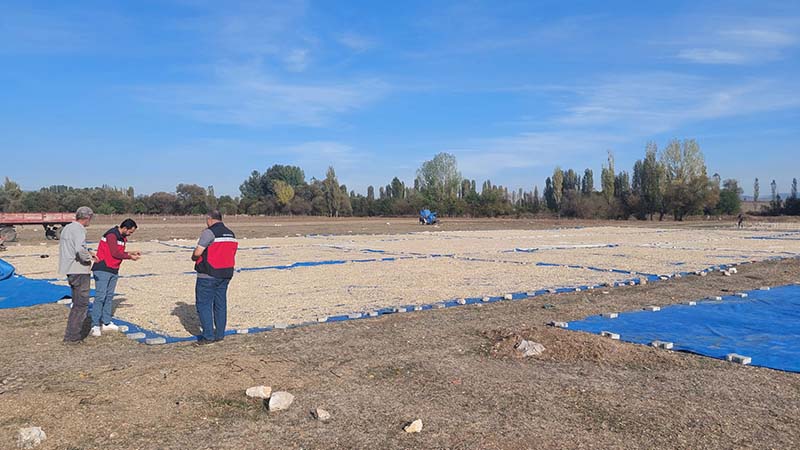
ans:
x=135 y=256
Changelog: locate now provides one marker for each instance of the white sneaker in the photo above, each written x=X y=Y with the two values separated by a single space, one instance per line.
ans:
x=110 y=326
x=96 y=331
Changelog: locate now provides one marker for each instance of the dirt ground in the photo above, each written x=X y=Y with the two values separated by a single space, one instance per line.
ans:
x=452 y=368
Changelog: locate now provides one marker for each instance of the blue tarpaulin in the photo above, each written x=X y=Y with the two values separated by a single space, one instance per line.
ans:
x=764 y=326
x=19 y=291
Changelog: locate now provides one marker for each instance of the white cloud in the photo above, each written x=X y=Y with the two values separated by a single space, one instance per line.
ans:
x=356 y=42
x=245 y=95
x=737 y=40
x=712 y=56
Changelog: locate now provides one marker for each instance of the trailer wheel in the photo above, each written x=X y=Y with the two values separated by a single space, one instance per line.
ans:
x=8 y=233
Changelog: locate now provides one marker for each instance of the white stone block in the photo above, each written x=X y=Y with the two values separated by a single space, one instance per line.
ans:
x=355 y=315
x=122 y=328
x=559 y=324
x=485 y=299
x=764 y=288
x=738 y=359
x=242 y=331
x=461 y=301
x=652 y=308
x=322 y=319
x=280 y=326
x=611 y=315
x=741 y=294
x=662 y=345
x=610 y=335
x=508 y=297
x=135 y=335
x=692 y=303
x=155 y=341
x=399 y=310
x=64 y=301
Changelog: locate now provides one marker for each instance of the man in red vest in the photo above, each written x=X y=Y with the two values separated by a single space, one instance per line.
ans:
x=110 y=253
x=215 y=258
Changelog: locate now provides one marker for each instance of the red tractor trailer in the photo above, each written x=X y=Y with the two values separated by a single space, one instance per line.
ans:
x=51 y=222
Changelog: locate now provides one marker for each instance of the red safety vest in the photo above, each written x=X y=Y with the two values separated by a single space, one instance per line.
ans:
x=107 y=263
x=219 y=258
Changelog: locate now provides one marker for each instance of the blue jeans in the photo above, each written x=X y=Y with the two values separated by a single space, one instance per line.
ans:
x=211 y=297
x=104 y=284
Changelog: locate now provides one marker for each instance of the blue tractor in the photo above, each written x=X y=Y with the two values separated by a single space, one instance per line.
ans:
x=426 y=217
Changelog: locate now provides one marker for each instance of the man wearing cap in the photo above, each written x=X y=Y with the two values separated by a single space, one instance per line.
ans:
x=75 y=261
x=110 y=254
x=215 y=258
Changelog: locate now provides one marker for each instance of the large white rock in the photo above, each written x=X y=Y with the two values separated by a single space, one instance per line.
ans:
x=30 y=437
x=529 y=348
x=259 y=391
x=280 y=400
x=414 y=427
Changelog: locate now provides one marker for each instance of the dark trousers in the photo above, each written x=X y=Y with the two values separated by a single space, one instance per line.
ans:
x=211 y=299
x=80 y=284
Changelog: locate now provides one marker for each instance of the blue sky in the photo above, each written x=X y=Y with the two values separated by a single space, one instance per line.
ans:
x=154 y=93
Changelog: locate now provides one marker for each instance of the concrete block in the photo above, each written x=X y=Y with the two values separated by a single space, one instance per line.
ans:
x=717 y=298
x=663 y=278
x=652 y=308
x=242 y=331
x=738 y=359
x=439 y=305
x=692 y=303
x=764 y=288
x=485 y=299
x=530 y=294
x=461 y=301
x=559 y=324
x=418 y=308
x=551 y=291
x=64 y=301
x=280 y=326
x=354 y=316
x=123 y=328
x=155 y=341
x=508 y=297
x=322 y=319
x=662 y=345
x=399 y=310
x=373 y=313
x=610 y=335
x=135 y=335
x=741 y=294
x=611 y=315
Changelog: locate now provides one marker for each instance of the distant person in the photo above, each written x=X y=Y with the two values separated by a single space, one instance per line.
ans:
x=75 y=261
x=215 y=258
x=110 y=254
x=740 y=220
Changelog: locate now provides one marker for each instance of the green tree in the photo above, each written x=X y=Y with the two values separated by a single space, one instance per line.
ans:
x=756 y=188
x=558 y=188
x=688 y=187
x=439 y=179
x=730 y=201
x=607 y=178
x=587 y=184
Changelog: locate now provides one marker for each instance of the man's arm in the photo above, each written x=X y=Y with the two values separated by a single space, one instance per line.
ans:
x=113 y=247
x=206 y=238
x=197 y=253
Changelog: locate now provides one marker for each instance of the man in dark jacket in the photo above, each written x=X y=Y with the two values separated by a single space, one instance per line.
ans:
x=215 y=258
x=110 y=254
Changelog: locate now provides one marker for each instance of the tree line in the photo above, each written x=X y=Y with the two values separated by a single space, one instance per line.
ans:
x=669 y=182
